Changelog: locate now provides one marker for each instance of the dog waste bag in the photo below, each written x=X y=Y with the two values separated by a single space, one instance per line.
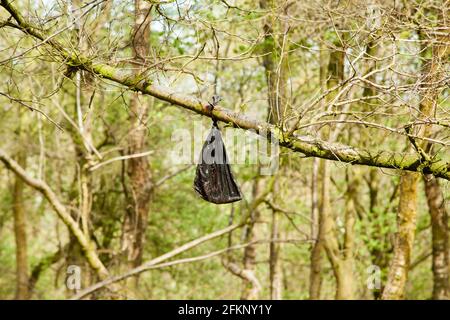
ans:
x=214 y=180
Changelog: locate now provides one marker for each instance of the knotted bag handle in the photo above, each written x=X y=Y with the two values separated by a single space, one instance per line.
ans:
x=215 y=101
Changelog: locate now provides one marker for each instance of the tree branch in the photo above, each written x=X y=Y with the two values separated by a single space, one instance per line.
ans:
x=62 y=212
x=309 y=146
x=151 y=264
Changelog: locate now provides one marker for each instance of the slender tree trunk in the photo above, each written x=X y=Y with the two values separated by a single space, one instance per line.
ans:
x=406 y=219
x=439 y=233
x=318 y=185
x=343 y=272
x=251 y=285
x=435 y=199
x=84 y=148
x=406 y=226
x=135 y=221
x=379 y=254
x=341 y=260
x=20 y=232
x=324 y=215
x=346 y=290
x=275 y=65
x=251 y=289
x=315 y=277
x=276 y=275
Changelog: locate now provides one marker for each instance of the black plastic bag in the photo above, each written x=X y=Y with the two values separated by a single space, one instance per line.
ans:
x=214 y=181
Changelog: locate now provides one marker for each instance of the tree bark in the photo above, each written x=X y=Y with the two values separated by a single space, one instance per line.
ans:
x=406 y=220
x=435 y=70
x=341 y=260
x=138 y=171
x=346 y=290
x=406 y=225
x=251 y=286
x=275 y=65
x=276 y=275
x=319 y=170
x=20 y=232
x=251 y=289
x=315 y=276
x=439 y=233
x=81 y=135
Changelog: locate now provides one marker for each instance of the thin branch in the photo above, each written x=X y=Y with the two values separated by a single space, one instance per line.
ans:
x=171 y=175
x=308 y=146
x=151 y=263
x=31 y=108
x=39 y=185
x=130 y=156
x=147 y=266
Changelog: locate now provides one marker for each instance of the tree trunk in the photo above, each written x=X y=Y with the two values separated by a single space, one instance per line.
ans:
x=406 y=226
x=84 y=148
x=344 y=281
x=275 y=65
x=434 y=71
x=135 y=221
x=319 y=169
x=406 y=219
x=341 y=261
x=20 y=232
x=315 y=277
x=346 y=286
x=251 y=285
x=276 y=275
x=251 y=289
x=439 y=233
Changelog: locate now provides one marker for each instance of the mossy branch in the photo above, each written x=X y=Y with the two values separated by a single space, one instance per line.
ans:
x=309 y=147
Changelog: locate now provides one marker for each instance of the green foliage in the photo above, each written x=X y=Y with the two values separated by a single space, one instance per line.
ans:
x=184 y=40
